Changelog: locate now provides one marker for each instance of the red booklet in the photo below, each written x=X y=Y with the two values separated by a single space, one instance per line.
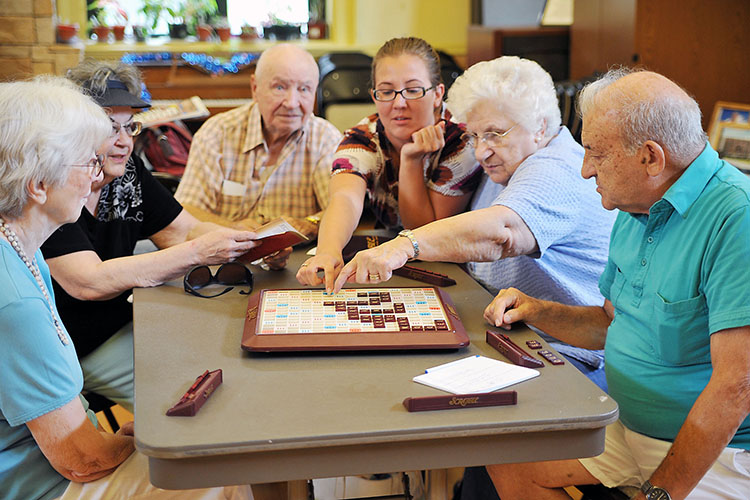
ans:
x=273 y=236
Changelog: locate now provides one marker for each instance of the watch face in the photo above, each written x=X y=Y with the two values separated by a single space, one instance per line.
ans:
x=657 y=493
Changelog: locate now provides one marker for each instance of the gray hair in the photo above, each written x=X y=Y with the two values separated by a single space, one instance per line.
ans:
x=671 y=120
x=45 y=124
x=93 y=75
x=518 y=88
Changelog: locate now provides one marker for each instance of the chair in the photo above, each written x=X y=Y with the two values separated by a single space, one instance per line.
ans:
x=567 y=97
x=99 y=403
x=339 y=60
x=344 y=97
x=169 y=181
x=449 y=69
x=343 y=91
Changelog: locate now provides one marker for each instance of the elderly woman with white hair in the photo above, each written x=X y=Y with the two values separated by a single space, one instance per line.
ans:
x=49 y=443
x=535 y=224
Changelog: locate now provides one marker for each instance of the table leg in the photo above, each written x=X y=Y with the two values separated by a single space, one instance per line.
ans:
x=292 y=490
x=437 y=484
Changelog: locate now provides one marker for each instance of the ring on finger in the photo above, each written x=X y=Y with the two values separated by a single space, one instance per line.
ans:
x=374 y=276
x=304 y=264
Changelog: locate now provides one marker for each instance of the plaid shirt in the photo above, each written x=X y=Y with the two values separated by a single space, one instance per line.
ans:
x=226 y=172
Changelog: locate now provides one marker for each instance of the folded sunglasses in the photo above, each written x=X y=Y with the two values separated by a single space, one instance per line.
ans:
x=231 y=273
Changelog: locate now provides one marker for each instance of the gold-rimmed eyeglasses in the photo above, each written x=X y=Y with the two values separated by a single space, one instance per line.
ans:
x=95 y=164
x=409 y=93
x=490 y=138
x=131 y=128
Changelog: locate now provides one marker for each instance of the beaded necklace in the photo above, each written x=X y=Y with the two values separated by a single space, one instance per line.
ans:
x=31 y=264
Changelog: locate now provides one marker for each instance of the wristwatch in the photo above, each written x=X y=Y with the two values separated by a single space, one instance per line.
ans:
x=406 y=233
x=654 y=492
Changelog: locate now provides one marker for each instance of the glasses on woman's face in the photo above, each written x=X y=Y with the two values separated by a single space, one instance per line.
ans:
x=490 y=138
x=131 y=128
x=95 y=164
x=409 y=93
x=231 y=273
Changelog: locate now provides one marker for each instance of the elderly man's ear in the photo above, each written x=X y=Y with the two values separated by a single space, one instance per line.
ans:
x=654 y=158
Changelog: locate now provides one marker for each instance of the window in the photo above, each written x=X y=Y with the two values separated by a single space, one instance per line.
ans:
x=259 y=12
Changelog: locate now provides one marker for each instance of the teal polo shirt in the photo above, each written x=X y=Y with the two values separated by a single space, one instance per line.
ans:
x=675 y=277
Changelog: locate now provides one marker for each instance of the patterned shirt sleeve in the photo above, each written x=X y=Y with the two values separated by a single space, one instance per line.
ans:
x=456 y=172
x=357 y=153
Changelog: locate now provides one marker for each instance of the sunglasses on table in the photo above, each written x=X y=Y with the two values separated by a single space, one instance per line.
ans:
x=231 y=273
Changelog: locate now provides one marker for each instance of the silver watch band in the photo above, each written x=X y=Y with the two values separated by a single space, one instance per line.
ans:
x=406 y=233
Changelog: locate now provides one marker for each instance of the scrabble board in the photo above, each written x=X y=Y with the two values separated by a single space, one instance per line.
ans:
x=353 y=319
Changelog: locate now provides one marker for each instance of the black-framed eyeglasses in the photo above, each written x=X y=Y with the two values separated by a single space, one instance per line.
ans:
x=409 y=93
x=95 y=164
x=131 y=128
x=231 y=273
x=490 y=138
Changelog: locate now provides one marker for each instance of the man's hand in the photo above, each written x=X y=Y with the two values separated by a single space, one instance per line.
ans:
x=127 y=429
x=330 y=265
x=510 y=305
x=375 y=264
x=277 y=260
x=423 y=142
x=223 y=245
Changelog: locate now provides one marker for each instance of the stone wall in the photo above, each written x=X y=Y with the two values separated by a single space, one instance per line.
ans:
x=27 y=41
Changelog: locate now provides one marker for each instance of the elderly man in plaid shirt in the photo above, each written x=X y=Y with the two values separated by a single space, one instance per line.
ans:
x=265 y=159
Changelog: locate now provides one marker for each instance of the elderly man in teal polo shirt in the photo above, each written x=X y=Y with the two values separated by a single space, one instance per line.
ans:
x=675 y=325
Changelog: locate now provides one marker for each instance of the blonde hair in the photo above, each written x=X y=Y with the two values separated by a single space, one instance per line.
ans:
x=412 y=46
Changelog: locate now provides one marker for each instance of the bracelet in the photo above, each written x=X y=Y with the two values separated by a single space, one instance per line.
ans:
x=406 y=233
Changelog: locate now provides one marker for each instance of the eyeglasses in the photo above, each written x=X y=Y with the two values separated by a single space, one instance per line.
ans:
x=490 y=138
x=131 y=128
x=95 y=164
x=231 y=273
x=409 y=93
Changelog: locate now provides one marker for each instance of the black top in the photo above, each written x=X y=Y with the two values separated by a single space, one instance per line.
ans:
x=132 y=207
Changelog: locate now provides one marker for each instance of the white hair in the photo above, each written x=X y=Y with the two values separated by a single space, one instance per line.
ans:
x=672 y=121
x=518 y=88
x=45 y=124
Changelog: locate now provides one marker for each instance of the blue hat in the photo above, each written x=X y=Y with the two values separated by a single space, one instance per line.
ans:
x=116 y=94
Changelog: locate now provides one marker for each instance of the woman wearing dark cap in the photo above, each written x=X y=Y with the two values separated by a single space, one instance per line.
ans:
x=92 y=261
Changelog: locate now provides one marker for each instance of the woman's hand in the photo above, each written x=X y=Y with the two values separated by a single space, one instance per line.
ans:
x=423 y=142
x=223 y=245
x=330 y=265
x=375 y=264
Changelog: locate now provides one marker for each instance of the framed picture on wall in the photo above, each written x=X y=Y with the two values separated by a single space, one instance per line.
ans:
x=729 y=133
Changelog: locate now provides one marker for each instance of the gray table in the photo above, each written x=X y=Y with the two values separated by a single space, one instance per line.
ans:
x=299 y=416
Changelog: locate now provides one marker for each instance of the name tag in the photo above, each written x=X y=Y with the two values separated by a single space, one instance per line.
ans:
x=231 y=188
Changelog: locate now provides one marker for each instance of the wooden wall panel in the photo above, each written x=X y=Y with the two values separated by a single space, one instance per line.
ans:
x=701 y=45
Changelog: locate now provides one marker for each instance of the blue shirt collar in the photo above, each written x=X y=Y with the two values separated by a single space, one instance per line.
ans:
x=685 y=191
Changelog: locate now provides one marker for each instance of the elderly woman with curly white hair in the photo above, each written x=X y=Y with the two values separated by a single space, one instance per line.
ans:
x=535 y=223
x=49 y=443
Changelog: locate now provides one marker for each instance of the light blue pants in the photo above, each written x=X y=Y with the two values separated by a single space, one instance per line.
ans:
x=108 y=370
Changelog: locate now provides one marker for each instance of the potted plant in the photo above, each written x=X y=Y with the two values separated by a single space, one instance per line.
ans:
x=152 y=11
x=177 y=25
x=199 y=12
x=204 y=32
x=316 y=26
x=109 y=14
x=221 y=26
x=248 y=32
x=274 y=28
x=66 y=32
